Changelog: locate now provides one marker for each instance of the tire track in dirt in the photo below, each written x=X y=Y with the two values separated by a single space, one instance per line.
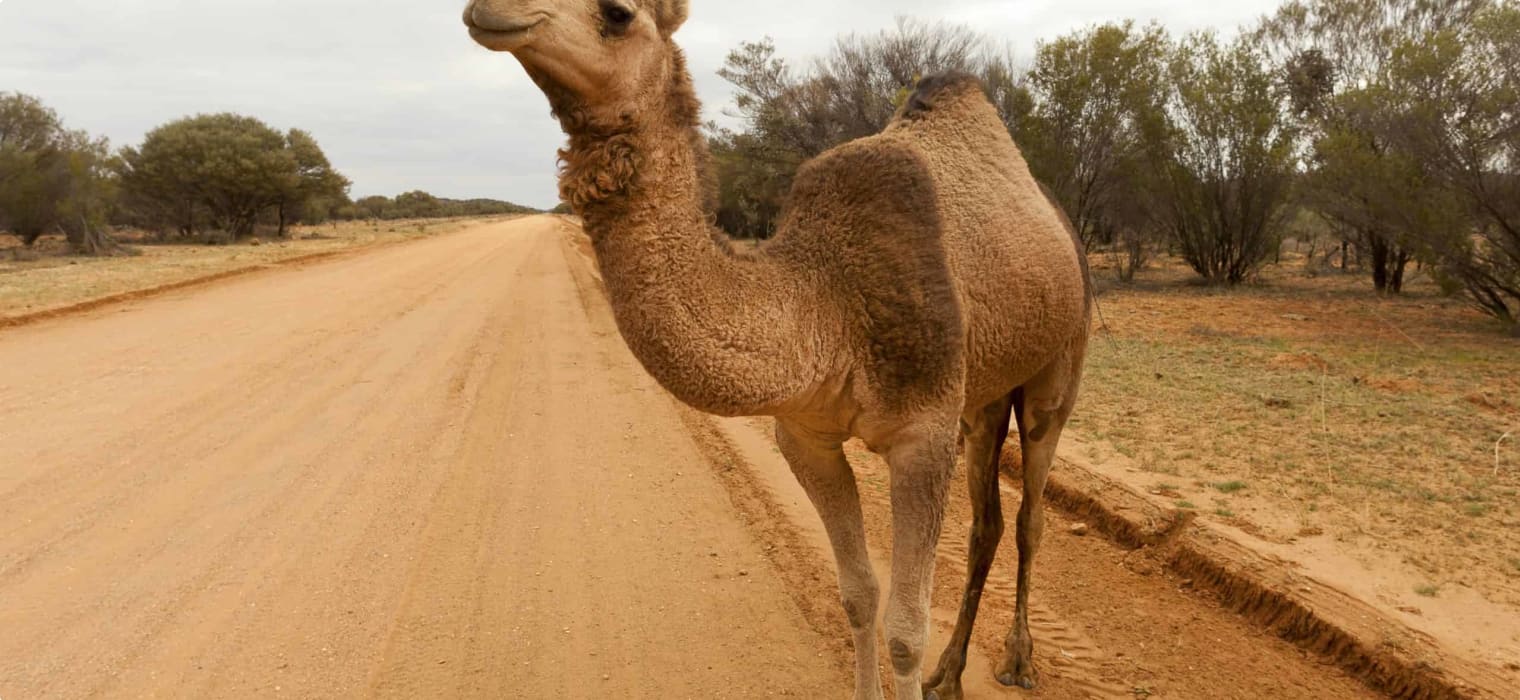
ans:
x=1101 y=630
x=1064 y=648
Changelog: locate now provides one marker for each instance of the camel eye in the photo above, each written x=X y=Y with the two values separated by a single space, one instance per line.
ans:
x=617 y=15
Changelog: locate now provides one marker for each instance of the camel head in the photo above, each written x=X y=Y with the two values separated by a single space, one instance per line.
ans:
x=603 y=61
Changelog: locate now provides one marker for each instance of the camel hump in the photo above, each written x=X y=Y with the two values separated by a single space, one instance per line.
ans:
x=939 y=91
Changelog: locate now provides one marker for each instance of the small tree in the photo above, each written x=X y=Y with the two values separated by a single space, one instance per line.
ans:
x=417 y=205
x=1333 y=58
x=1096 y=94
x=52 y=179
x=1455 y=113
x=314 y=188
x=226 y=170
x=84 y=209
x=1225 y=163
x=374 y=207
x=750 y=189
x=1375 y=195
x=32 y=152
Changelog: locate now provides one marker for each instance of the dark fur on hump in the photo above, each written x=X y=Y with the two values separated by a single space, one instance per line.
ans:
x=934 y=90
x=602 y=163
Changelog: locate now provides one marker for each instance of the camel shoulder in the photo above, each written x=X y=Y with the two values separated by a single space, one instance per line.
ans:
x=875 y=180
x=867 y=201
x=866 y=216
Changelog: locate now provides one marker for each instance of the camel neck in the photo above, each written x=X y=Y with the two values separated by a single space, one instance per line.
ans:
x=717 y=330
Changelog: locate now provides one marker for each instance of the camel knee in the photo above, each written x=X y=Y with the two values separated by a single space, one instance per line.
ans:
x=986 y=533
x=906 y=657
x=1043 y=416
x=861 y=601
x=907 y=633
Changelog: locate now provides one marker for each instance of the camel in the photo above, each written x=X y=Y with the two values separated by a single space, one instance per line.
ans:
x=920 y=289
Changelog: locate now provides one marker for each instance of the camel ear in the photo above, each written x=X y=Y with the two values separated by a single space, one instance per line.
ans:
x=669 y=15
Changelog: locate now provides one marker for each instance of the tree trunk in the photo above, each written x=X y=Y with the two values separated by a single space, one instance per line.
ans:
x=89 y=240
x=1388 y=264
x=1379 y=262
x=1396 y=279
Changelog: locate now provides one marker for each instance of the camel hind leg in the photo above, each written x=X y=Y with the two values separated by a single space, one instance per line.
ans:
x=1041 y=408
x=986 y=430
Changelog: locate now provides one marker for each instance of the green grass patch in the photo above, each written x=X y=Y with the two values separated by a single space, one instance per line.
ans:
x=1383 y=427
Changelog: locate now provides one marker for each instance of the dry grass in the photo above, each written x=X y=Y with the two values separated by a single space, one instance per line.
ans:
x=1302 y=406
x=46 y=277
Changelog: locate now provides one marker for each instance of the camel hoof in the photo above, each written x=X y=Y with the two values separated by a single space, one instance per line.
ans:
x=1025 y=682
x=943 y=691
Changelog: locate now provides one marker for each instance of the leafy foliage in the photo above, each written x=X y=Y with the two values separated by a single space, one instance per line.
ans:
x=225 y=170
x=791 y=116
x=52 y=178
x=314 y=192
x=421 y=205
x=1226 y=161
x=1096 y=104
x=1408 y=108
x=1332 y=59
x=1453 y=110
x=1097 y=97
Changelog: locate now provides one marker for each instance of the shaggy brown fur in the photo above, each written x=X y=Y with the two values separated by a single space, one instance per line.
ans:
x=920 y=286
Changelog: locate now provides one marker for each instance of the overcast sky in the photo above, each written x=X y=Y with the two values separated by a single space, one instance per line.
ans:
x=398 y=95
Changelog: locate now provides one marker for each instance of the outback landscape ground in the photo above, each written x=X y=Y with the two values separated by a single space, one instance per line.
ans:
x=1370 y=438
x=45 y=277
x=432 y=468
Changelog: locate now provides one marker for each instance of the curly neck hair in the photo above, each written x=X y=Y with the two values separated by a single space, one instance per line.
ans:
x=601 y=167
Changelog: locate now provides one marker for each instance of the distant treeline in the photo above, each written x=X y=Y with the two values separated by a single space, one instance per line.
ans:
x=210 y=177
x=421 y=205
x=1387 y=129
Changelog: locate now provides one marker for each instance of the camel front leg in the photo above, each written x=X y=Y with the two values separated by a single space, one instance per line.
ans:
x=820 y=466
x=920 y=468
x=986 y=430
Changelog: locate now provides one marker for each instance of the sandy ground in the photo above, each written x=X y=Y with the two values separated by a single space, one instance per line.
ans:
x=48 y=278
x=434 y=470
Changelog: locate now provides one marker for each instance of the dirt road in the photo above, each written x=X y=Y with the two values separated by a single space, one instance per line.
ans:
x=435 y=471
